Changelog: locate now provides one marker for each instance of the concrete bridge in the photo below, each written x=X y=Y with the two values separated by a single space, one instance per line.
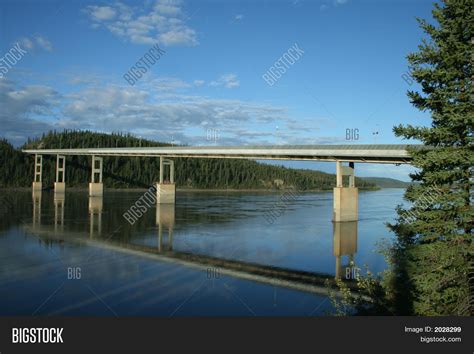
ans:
x=345 y=197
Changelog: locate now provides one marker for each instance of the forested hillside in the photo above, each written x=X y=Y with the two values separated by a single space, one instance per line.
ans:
x=16 y=168
x=384 y=182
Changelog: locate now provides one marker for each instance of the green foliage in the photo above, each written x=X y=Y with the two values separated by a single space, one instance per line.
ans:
x=437 y=240
x=440 y=270
x=16 y=169
x=369 y=297
x=13 y=166
x=431 y=263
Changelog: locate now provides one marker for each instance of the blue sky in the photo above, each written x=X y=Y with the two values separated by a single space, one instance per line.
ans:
x=209 y=82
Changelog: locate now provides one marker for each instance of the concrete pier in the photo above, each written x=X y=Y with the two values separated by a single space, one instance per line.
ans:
x=166 y=188
x=59 y=187
x=346 y=199
x=60 y=184
x=165 y=193
x=346 y=204
x=37 y=182
x=96 y=187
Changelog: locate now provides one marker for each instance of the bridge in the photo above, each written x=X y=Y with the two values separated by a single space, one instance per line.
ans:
x=345 y=197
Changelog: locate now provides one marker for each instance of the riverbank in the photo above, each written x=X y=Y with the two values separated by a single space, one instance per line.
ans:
x=194 y=190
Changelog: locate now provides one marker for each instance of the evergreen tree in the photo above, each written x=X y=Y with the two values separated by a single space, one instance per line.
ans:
x=434 y=252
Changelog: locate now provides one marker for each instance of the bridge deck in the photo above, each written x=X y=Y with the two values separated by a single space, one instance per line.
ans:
x=355 y=153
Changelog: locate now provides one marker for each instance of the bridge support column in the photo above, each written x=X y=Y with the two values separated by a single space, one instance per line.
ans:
x=346 y=199
x=60 y=184
x=166 y=188
x=37 y=181
x=96 y=187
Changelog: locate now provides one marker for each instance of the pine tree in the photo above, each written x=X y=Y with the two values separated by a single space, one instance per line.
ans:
x=434 y=252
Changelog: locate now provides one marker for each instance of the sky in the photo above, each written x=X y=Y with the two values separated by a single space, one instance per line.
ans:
x=225 y=72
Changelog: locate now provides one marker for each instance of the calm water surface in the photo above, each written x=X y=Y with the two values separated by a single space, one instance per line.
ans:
x=119 y=269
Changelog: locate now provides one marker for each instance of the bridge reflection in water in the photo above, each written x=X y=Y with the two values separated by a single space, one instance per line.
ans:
x=344 y=247
x=344 y=244
x=96 y=205
x=59 y=199
x=165 y=216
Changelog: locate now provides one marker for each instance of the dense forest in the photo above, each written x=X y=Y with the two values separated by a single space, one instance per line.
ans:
x=383 y=182
x=16 y=168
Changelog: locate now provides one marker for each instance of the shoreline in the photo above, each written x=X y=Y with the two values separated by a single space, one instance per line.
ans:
x=194 y=190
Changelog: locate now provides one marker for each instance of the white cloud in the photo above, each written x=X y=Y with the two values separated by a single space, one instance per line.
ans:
x=158 y=109
x=239 y=17
x=175 y=36
x=100 y=13
x=334 y=3
x=26 y=42
x=21 y=108
x=44 y=43
x=163 y=23
x=165 y=84
x=36 y=42
x=168 y=7
x=162 y=107
x=226 y=80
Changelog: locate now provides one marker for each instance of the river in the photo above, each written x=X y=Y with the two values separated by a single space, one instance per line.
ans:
x=212 y=254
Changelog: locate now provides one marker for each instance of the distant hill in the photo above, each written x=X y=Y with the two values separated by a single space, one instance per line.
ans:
x=383 y=182
x=16 y=168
